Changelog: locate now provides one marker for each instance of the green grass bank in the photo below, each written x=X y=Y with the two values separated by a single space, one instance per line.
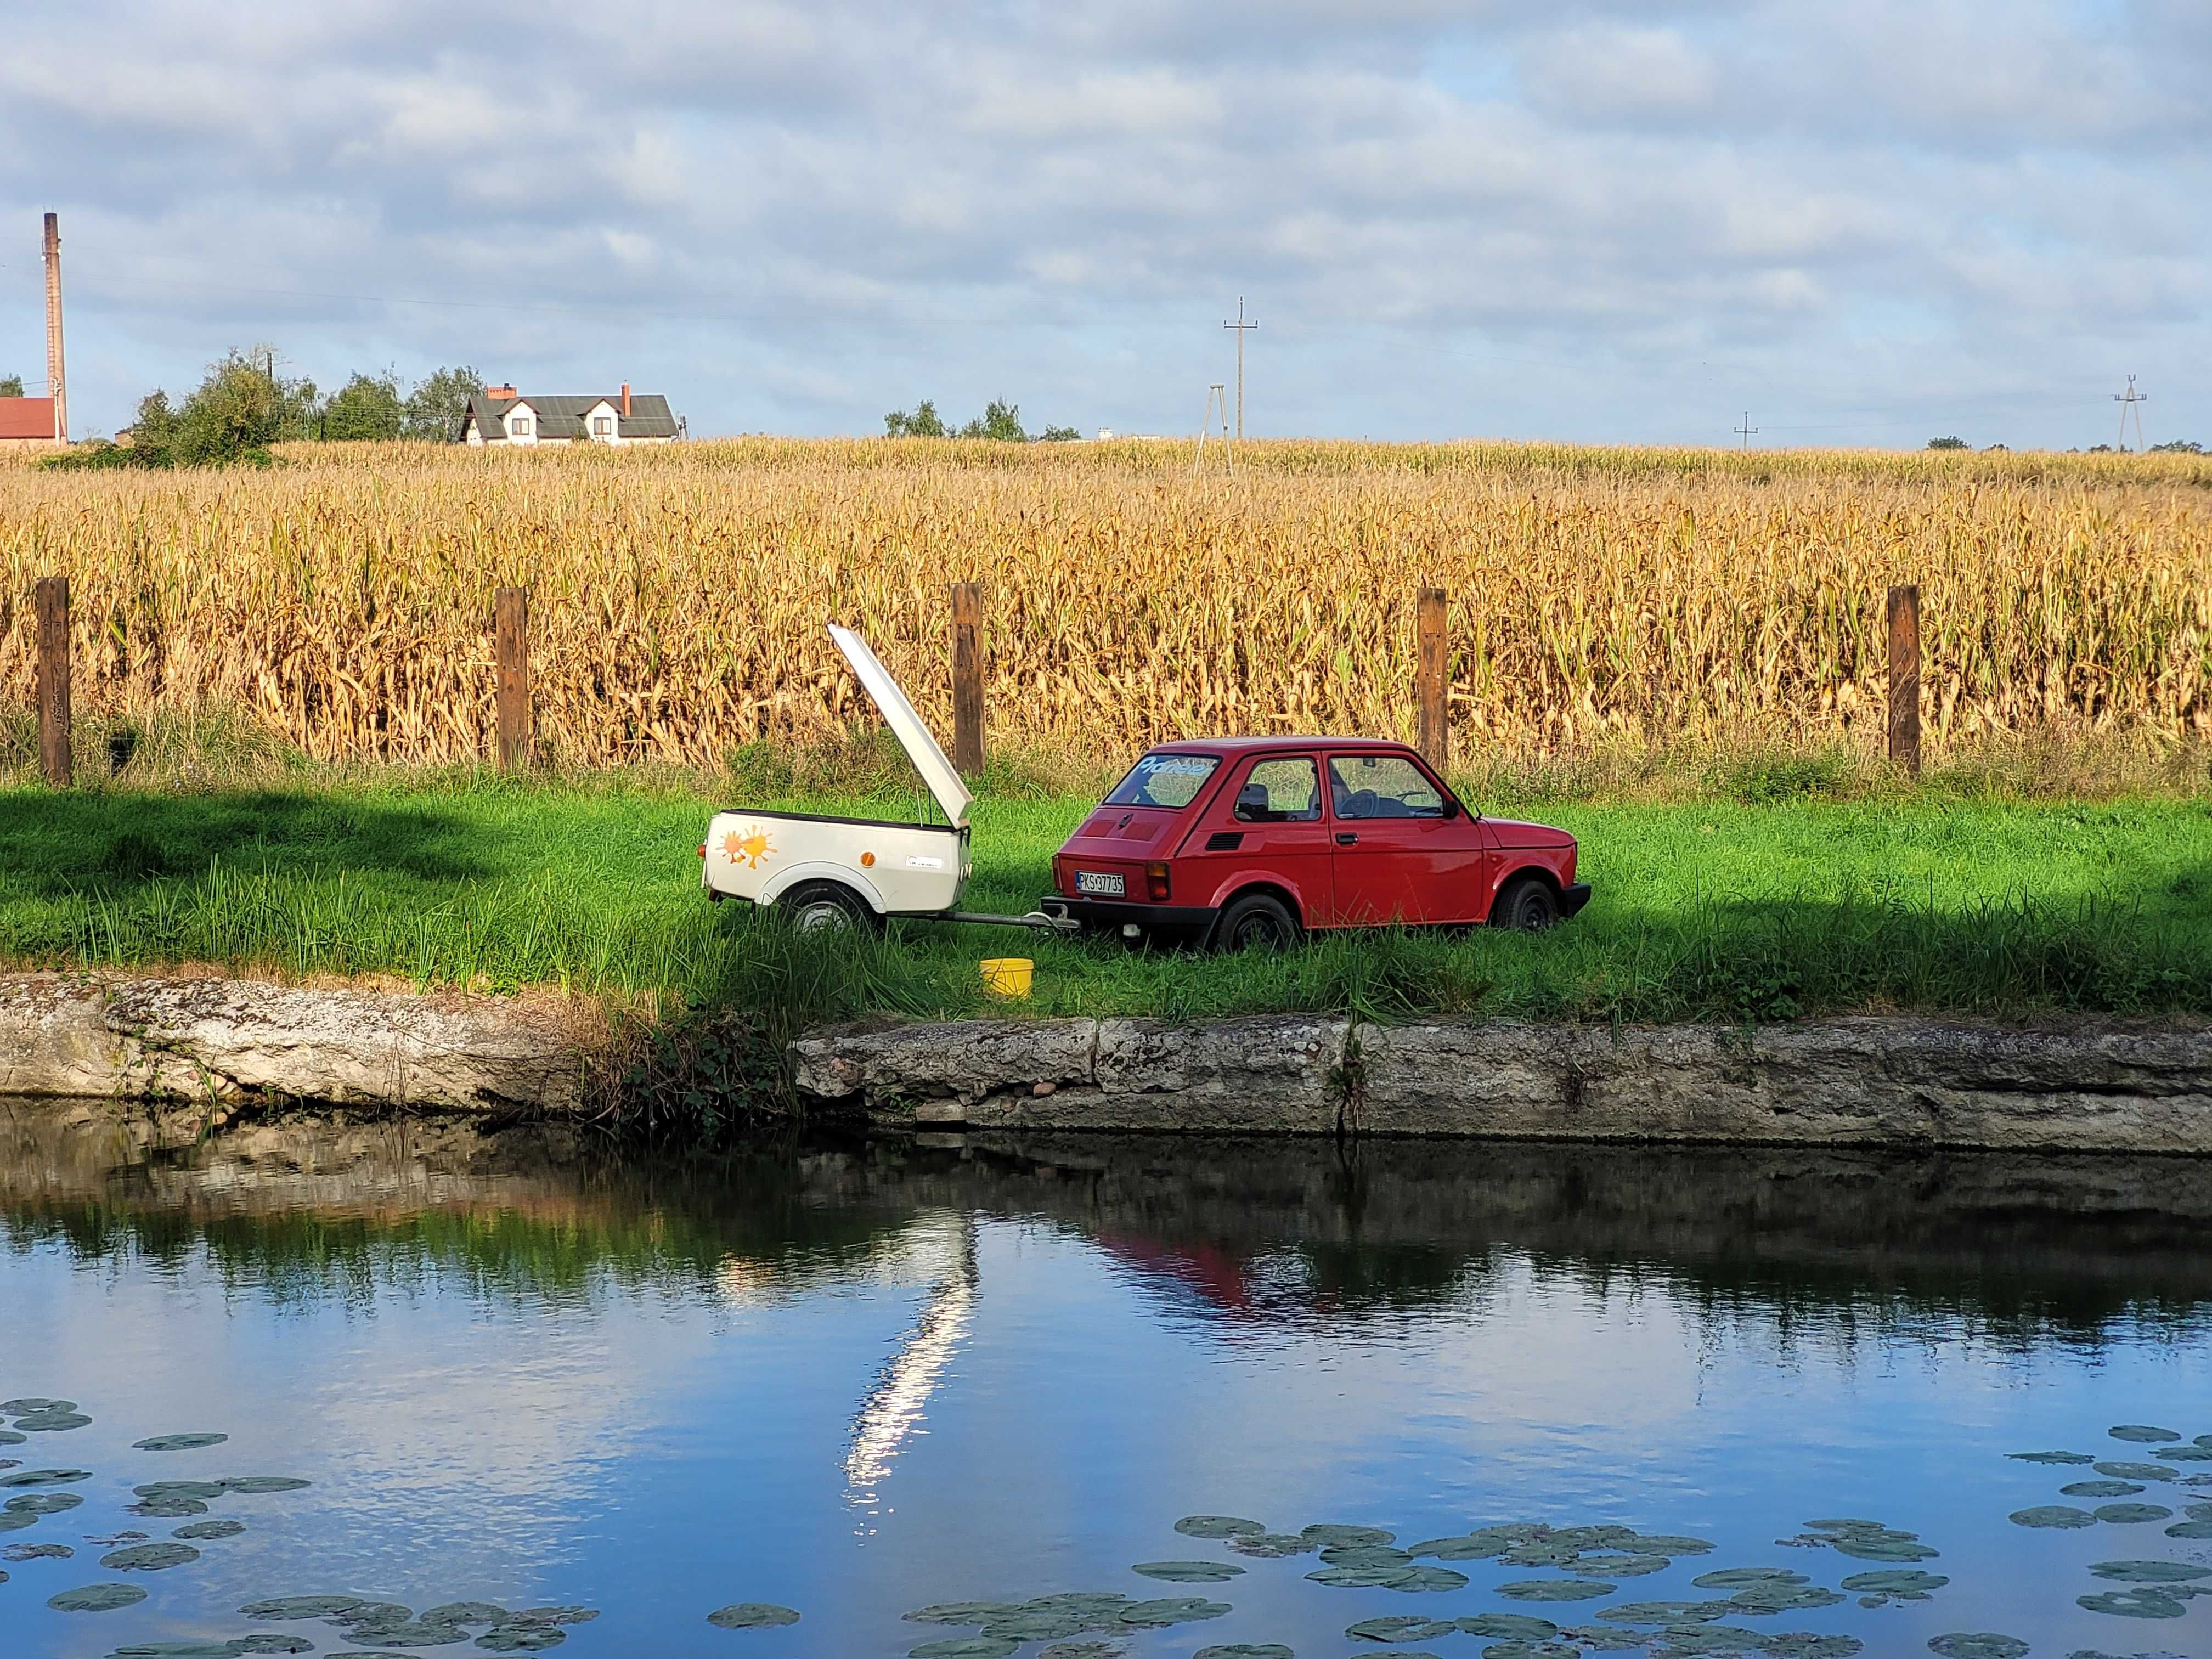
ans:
x=1762 y=903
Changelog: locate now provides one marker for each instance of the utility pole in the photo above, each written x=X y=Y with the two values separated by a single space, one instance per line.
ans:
x=2130 y=399
x=1240 y=325
x=1747 y=429
x=57 y=381
x=1215 y=398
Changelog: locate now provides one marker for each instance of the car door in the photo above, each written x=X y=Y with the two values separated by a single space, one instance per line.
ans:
x=1405 y=850
x=1268 y=823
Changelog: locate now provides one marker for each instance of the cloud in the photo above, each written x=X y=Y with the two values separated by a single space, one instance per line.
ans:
x=794 y=215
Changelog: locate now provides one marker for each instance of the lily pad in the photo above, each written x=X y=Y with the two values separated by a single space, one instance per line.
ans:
x=1272 y=1545
x=561 y=1615
x=1361 y=1577
x=413 y=1634
x=967 y=1647
x=96 y=1598
x=42 y=1503
x=210 y=1529
x=1555 y=1589
x=1516 y=1627
x=2149 y=1572
x=521 y=1638
x=1044 y=1623
x=2143 y=1434
x=1186 y=1572
x=1667 y=1543
x=1084 y=1650
x=1424 y=1579
x=1712 y=1638
x=2138 y=1471
x=1400 y=1627
x=169 y=1508
x=962 y=1613
x=1798 y=1644
x=206 y=1650
x=148 y=1558
x=159 y=1489
x=36 y=1553
x=2132 y=1514
x=2145 y=1603
x=1462 y=1547
x=51 y=1422
x=1529 y=1651
x=9 y=1438
x=1976 y=1644
x=1218 y=1526
x=1091 y=1604
x=1737 y=1578
x=264 y=1483
x=1329 y=1533
x=2041 y=1457
x=465 y=1612
x=26 y=1407
x=270 y=1642
x=1783 y=1598
x=45 y=1477
x=1871 y=1548
x=1897 y=1580
x=2190 y=1530
x=2052 y=1515
x=755 y=1615
x=1668 y=1612
x=302 y=1607
x=1365 y=1555
x=181 y=1442
x=1167 y=1610
x=1618 y=1563
x=2100 y=1489
x=1246 y=1650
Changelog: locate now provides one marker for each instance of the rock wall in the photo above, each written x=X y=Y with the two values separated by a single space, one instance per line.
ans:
x=210 y=1040
x=1889 y=1081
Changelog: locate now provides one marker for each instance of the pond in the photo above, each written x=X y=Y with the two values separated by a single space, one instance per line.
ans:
x=343 y=1388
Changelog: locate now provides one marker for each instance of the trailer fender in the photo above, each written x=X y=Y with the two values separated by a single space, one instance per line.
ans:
x=821 y=870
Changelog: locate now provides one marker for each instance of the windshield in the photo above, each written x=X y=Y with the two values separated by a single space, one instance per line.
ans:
x=1171 y=780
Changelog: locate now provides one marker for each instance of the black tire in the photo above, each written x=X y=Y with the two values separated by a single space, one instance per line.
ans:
x=1527 y=905
x=816 y=907
x=1256 y=921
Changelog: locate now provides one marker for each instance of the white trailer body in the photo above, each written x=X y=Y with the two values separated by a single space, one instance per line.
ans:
x=898 y=869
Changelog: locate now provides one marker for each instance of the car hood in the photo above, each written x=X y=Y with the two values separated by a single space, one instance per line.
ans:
x=1513 y=832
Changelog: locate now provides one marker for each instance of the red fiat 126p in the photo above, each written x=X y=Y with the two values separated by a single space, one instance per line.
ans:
x=1255 y=841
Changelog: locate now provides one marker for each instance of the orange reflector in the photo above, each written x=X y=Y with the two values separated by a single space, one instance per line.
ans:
x=702 y=849
x=867 y=860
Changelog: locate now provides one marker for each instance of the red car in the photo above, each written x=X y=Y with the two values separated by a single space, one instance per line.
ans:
x=1237 y=842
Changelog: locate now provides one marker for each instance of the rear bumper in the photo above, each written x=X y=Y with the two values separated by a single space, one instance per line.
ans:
x=1572 y=899
x=1103 y=914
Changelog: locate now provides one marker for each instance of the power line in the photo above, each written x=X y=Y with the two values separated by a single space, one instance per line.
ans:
x=1240 y=325
x=1747 y=429
x=2130 y=400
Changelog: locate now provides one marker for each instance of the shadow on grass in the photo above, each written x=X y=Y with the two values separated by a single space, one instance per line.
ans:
x=52 y=844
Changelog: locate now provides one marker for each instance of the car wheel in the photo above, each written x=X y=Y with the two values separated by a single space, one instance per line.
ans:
x=1527 y=906
x=826 y=906
x=1256 y=921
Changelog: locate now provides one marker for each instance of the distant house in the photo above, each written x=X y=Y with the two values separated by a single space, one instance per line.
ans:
x=27 y=424
x=501 y=414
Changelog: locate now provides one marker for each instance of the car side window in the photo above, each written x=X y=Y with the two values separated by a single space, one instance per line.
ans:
x=1280 y=792
x=1381 y=787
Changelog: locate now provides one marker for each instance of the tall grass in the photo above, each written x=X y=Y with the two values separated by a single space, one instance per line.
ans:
x=341 y=602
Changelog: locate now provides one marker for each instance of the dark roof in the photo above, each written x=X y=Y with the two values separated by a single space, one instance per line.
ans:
x=1245 y=745
x=29 y=417
x=563 y=417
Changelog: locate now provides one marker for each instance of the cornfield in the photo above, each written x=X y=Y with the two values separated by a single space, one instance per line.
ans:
x=343 y=601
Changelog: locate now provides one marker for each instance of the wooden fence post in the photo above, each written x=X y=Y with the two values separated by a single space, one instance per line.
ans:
x=1905 y=678
x=967 y=680
x=52 y=604
x=511 y=649
x=1433 y=733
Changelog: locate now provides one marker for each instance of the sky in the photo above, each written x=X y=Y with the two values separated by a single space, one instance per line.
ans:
x=1649 y=221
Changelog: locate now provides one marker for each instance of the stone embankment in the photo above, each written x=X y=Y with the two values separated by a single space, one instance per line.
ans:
x=210 y=1041
x=1887 y=1081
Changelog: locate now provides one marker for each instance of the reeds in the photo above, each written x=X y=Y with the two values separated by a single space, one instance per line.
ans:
x=342 y=602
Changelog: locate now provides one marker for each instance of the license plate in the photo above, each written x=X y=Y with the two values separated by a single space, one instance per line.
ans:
x=1093 y=881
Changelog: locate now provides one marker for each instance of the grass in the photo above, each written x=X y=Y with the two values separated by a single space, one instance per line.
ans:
x=1766 y=897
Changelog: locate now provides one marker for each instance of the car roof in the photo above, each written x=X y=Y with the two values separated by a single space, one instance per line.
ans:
x=1246 y=745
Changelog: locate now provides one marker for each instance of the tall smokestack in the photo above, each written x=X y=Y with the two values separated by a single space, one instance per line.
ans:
x=57 y=384
x=625 y=400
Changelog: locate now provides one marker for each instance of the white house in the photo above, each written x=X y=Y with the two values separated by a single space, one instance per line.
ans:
x=501 y=414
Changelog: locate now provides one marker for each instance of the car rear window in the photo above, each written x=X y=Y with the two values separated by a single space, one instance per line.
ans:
x=1171 y=780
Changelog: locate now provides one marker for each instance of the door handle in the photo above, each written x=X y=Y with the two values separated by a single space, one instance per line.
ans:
x=1345 y=838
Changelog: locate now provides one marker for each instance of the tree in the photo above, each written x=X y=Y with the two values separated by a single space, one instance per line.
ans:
x=436 y=407
x=924 y=422
x=11 y=386
x=2179 y=447
x=1946 y=443
x=1001 y=421
x=1058 y=434
x=366 y=407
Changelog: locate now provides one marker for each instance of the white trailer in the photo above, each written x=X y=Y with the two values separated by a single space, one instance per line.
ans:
x=838 y=872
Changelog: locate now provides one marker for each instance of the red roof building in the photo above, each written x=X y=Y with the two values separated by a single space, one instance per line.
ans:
x=25 y=423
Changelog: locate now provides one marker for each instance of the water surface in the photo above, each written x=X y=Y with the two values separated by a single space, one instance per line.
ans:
x=855 y=1379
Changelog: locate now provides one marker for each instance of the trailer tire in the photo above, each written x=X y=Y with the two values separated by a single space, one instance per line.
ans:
x=1527 y=905
x=1256 y=921
x=824 y=907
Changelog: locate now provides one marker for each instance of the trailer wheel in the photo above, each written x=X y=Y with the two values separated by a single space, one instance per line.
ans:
x=1527 y=906
x=1256 y=921
x=826 y=906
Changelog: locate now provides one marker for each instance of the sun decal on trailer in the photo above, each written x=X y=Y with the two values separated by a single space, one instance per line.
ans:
x=748 y=850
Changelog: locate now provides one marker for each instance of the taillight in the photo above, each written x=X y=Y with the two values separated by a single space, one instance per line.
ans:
x=702 y=849
x=1156 y=883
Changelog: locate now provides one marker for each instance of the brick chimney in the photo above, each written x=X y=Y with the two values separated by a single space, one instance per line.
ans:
x=625 y=400
x=506 y=393
x=57 y=383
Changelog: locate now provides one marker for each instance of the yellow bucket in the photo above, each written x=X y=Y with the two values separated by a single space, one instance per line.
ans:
x=1007 y=976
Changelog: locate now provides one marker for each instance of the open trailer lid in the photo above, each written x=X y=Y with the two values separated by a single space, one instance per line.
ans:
x=906 y=725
